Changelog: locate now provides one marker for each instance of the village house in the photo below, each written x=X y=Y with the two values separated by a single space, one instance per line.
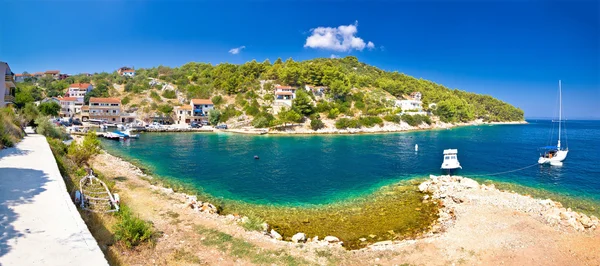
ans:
x=7 y=86
x=285 y=94
x=126 y=71
x=53 y=73
x=106 y=109
x=79 y=90
x=22 y=77
x=197 y=110
x=411 y=106
x=38 y=75
x=69 y=106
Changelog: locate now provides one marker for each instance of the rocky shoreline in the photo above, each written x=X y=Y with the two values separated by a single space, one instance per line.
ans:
x=388 y=127
x=450 y=191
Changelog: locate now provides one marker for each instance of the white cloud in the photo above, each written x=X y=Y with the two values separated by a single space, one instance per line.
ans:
x=333 y=56
x=237 y=50
x=370 y=45
x=341 y=39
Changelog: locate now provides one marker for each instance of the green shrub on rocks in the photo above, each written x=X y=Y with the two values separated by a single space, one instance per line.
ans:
x=316 y=124
x=10 y=132
x=131 y=230
x=370 y=121
x=81 y=153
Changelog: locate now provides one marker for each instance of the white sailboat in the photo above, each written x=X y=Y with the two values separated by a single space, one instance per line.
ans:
x=554 y=155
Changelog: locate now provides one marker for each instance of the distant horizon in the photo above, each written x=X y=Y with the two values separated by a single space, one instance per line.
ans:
x=518 y=61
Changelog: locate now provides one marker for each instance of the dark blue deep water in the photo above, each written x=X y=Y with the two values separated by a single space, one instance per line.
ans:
x=322 y=169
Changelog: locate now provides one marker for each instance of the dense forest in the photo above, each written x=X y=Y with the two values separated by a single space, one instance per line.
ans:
x=350 y=85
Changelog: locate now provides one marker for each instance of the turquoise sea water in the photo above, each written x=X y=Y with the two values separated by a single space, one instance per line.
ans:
x=295 y=170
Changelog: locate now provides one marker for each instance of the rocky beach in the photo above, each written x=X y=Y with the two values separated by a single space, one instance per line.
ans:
x=477 y=224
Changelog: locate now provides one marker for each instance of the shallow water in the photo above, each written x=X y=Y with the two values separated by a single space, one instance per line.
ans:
x=307 y=170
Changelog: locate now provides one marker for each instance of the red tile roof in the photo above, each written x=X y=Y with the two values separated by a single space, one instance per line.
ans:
x=201 y=101
x=128 y=70
x=68 y=99
x=18 y=75
x=80 y=85
x=104 y=100
x=85 y=107
x=185 y=107
x=284 y=87
x=52 y=72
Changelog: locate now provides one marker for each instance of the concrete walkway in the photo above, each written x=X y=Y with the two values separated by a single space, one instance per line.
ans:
x=39 y=224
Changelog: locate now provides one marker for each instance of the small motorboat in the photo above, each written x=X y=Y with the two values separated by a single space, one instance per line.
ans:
x=256 y=157
x=113 y=136
x=450 y=160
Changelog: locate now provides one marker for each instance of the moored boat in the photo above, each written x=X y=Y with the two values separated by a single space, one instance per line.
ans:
x=450 y=160
x=554 y=155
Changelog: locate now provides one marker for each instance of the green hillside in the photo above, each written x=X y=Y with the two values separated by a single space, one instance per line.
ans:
x=356 y=91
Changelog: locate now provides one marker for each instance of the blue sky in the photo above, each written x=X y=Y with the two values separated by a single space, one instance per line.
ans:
x=513 y=50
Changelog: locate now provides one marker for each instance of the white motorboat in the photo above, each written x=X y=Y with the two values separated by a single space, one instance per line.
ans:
x=554 y=155
x=450 y=160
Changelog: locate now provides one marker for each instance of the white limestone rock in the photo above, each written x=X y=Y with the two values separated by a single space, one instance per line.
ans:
x=299 y=238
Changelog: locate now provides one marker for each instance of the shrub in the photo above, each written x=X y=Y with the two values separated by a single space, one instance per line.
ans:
x=169 y=94
x=253 y=223
x=44 y=127
x=10 y=132
x=131 y=230
x=125 y=100
x=392 y=118
x=260 y=121
x=214 y=116
x=49 y=108
x=217 y=100
x=81 y=153
x=343 y=123
x=316 y=124
x=155 y=96
x=333 y=113
x=370 y=121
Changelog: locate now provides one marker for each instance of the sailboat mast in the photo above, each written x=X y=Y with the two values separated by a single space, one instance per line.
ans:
x=559 y=111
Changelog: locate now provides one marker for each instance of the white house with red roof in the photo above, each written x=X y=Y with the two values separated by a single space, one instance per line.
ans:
x=285 y=93
x=197 y=110
x=126 y=71
x=79 y=90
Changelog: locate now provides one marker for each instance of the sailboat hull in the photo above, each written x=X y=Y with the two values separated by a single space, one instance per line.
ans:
x=558 y=157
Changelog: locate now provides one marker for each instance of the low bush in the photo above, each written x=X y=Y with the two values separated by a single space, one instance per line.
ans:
x=333 y=113
x=370 y=121
x=131 y=230
x=253 y=223
x=169 y=94
x=392 y=118
x=81 y=153
x=316 y=124
x=344 y=123
x=416 y=120
x=10 y=131
x=217 y=100
x=46 y=128
x=125 y=100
